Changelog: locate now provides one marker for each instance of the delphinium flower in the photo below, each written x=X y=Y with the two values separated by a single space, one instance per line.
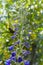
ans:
x=19 y=59
x=13 y=53
x=11 y=48
x=13 y=56
x=13 y=59
x=17 y=42
x=13 y=37
x=16 y=29
x=8 y=62
x=25 y=52
x=15 y=33
x=26 y=62
x=26 y=44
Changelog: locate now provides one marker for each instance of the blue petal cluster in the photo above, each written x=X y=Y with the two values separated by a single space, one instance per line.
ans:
x=26 y=62
x=11 y=48
x=19 y=59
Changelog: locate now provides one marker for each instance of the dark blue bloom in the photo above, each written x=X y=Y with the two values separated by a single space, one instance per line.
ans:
x=19 y=59
x=11 y=48
x=14 y=59
x=26 y=62
x=13 y=53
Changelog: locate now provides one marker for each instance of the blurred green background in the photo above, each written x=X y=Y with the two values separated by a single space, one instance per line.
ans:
x=26 y=15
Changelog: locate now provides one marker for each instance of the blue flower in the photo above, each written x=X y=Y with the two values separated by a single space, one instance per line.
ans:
x=13 y=37
x=13 y=58
x=26 y=62
x=11 y=48
x=7 y=62
x=13 y=53
x=17 y=42
x=19 y=59
x=25 y=52
x=16 y=29
x=15 y=33
x=26 y=44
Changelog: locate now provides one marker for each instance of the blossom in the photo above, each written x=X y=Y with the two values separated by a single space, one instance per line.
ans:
x=14 y=36
x=17 y=42
x=13 y=58
x=19 y=59
x=16 y=29
x=25 y=52
x=7 y=62
x=11 y=48
x=26 y=44
x=13 y=53
x=26 y=62
x=15 y=33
